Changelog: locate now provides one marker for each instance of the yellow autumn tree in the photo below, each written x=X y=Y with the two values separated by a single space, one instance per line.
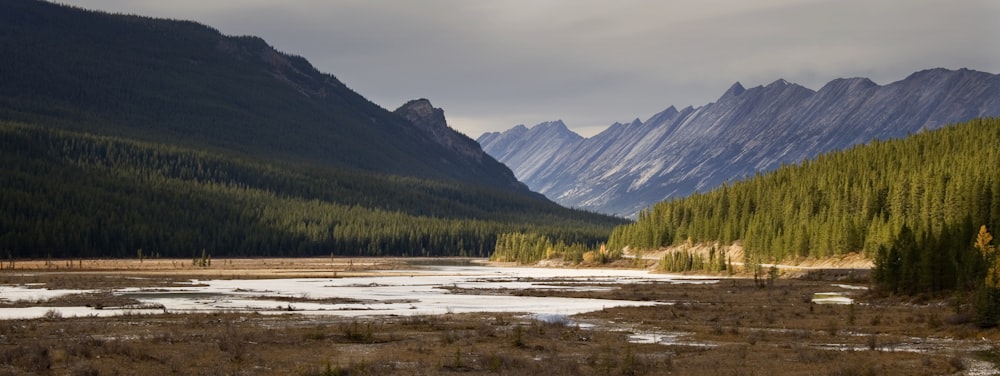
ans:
x=983 y=240
x=988 y=297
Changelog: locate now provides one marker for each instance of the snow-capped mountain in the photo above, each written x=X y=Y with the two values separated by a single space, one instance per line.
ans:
x=675 y=153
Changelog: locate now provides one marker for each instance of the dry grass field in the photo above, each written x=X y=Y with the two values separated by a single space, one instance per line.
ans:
x=733 y=327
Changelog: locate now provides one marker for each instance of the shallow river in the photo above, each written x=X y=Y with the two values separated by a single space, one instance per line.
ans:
x=432 y=289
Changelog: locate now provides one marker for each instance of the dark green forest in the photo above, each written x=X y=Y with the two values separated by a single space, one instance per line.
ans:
x=68 y=195
x=914 y=205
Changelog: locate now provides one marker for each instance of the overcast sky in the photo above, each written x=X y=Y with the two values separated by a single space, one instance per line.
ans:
x=493 y=64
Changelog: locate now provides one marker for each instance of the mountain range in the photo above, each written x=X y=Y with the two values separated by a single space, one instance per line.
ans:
x=674 y=153
x=124 y=135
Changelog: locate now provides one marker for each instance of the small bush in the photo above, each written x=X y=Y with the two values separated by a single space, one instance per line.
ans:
x=53 y=314
x=873 y=342
x=518 y=336
x=960 y=318
x=957 y=363
x=356 y=332
x=832 y=328
x=34 y=358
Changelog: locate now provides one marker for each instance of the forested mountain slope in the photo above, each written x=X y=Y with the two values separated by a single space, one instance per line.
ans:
x=67 y=194
x=180 y=82
x=930 y=192
x=125 y=135
x=678 y=152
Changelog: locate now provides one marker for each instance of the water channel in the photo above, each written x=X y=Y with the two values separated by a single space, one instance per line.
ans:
x=415 y=290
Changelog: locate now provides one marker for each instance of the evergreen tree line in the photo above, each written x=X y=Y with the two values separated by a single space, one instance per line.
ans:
x=685 y=261
x=72 y=195
x=531 y=247
x=922 y=197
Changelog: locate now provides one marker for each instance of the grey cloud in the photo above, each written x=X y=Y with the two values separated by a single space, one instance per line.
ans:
x=495 y=64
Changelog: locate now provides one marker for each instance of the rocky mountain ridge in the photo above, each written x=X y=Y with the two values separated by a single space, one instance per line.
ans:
x=431 y=120
x=675 y=153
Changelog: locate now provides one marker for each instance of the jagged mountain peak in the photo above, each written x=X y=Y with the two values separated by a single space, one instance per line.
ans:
x=422 y=112
x=555 y=128
x=735 y=90
x=853 y=82
x=431 y=121
x=777 y=85
x=634 y=123
x=780 y=82
x=662 y=116
x=517 y=132
x=555 y=124
x=934 y=72
x=518 y=128
x=422 y=104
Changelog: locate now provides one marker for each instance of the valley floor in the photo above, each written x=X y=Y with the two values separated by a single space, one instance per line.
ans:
x=679 y=325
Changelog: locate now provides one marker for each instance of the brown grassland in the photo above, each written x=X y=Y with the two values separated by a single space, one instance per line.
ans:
x=733 y=327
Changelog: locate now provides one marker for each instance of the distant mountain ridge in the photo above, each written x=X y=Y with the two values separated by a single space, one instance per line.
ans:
x=675 y=152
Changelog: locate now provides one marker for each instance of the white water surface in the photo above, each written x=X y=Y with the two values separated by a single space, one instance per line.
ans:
x=831 y=298
x=416 y=291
